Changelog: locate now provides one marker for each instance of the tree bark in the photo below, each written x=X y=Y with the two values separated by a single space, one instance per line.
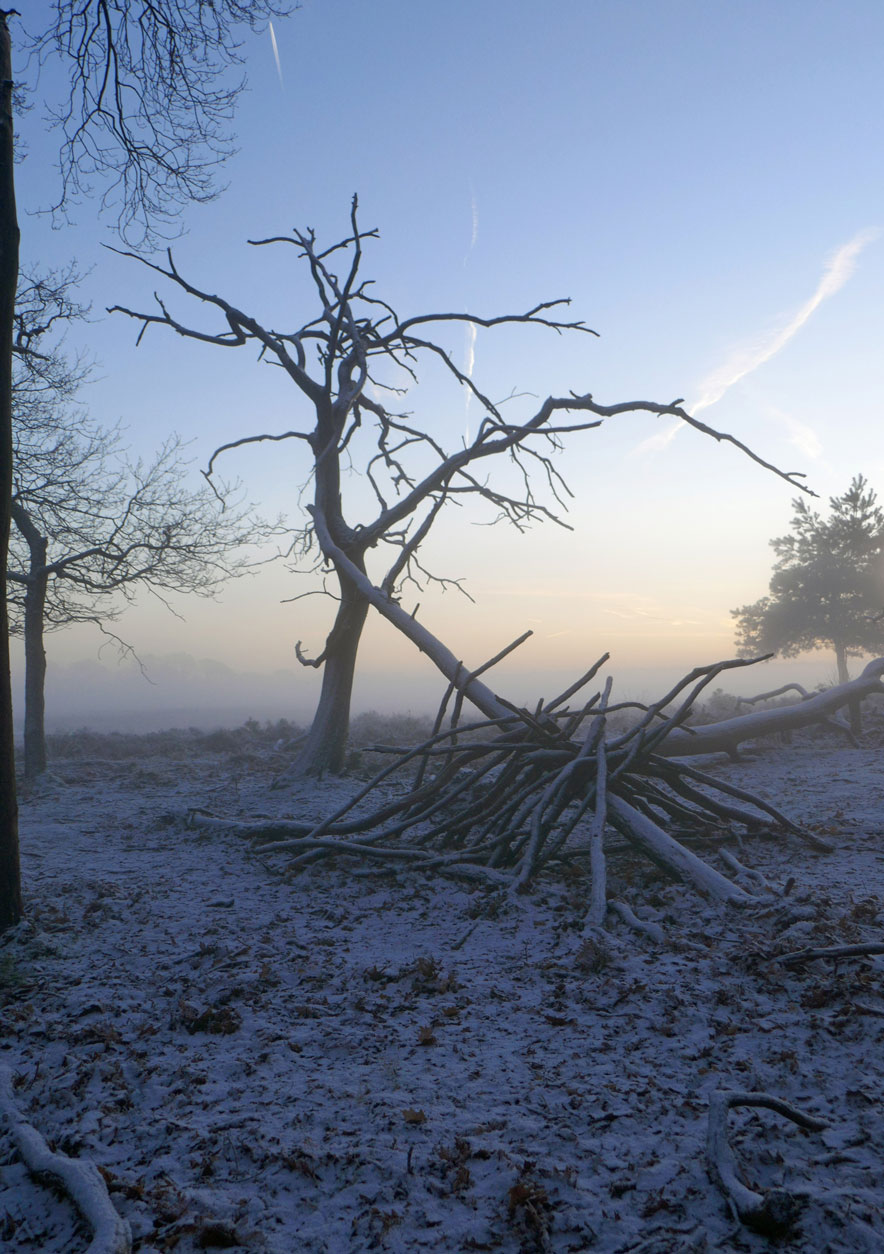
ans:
x=10 y=875
x=35 y=673
x=35 y=652
x=854 y=706
x=325 y=748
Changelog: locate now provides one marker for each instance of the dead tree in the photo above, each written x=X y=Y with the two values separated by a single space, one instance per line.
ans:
x=524 y=791
x=727 y=735
x=340 y=358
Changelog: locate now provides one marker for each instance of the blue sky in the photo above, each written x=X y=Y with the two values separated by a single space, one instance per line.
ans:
x=684 y=171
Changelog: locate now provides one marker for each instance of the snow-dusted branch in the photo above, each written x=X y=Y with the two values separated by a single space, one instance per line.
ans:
x=773 y=1213
x=79 y=1178
x=351 y=346
x=726 y=735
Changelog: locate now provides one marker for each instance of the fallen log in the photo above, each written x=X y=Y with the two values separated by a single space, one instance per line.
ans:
x=863 y=950
x=727 y=735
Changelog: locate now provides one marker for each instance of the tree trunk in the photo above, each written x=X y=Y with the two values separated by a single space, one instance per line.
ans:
x=841 y=659
x=854 y=706
x=35 y=653
x=10 y=875
x=35 y=671
x=326 y=744
x=451 y=667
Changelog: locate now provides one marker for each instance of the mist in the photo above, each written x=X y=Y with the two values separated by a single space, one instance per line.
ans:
x=179 y=690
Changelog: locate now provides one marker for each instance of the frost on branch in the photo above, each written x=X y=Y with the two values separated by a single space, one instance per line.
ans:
x=503 y=800
x=773 y=1213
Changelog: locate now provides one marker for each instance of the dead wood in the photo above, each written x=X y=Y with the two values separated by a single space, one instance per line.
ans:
x=727 y=735
x=523 y=791
x=79 y=1178
x=833 y=951
x=772 y=1213
x=835 y=723
x=644 y=926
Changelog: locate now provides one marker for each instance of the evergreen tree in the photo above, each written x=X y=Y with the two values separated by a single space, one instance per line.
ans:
x=827 y=587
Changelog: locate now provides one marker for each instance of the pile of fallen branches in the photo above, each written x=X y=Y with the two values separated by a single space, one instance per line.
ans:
x=504 y=799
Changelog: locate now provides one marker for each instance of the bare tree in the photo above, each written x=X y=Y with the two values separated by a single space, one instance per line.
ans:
x=350 y=350
x=92 y=528
x=149 y=89
x=150 y=105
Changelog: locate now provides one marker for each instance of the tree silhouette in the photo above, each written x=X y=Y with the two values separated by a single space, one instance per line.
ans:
x=827 y=587
x=148 y=116
x=346 y=354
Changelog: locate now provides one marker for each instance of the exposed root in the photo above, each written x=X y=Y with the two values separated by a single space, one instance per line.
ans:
x=631 y=919
x=79 y=1178
x=772 y=1213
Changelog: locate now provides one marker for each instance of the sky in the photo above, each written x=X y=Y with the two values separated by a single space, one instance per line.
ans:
x=703 y=181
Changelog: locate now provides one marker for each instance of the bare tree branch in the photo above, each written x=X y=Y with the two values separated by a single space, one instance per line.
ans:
x=337 y=357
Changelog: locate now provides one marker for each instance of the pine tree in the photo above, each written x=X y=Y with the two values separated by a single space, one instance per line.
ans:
x=827 y=587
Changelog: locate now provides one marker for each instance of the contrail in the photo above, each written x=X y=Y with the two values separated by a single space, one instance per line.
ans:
x=469 y=363
x=276 y=55
x=471 y=351
x=837 y=271
x=803 y=437
x=471 y=326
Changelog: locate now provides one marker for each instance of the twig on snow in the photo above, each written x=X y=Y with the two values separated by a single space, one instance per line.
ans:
x=833 y=951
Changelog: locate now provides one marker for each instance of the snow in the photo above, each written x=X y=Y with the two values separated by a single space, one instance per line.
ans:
x=346 y=1062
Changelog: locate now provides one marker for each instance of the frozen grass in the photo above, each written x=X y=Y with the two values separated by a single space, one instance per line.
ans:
x=393 y=1063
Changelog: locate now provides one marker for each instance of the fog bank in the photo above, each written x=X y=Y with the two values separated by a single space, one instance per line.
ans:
x=178 y=690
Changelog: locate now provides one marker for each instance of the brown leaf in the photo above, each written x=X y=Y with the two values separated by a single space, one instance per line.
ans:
x=217 y=1236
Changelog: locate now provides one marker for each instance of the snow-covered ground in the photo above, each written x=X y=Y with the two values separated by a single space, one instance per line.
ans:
x=347 y=1062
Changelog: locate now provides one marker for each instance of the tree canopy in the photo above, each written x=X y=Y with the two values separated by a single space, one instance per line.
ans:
x=827 y=586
